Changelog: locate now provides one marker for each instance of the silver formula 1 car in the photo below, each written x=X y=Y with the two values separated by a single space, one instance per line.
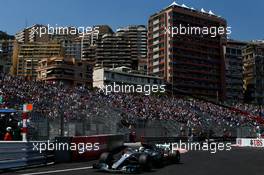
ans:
x=133 y=160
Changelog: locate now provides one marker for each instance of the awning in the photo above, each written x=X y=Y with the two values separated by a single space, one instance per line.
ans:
x=7 y=111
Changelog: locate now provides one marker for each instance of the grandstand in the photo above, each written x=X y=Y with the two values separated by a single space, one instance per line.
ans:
x=73 y=111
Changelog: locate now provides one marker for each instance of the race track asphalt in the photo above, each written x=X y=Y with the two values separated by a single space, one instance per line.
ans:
x=238 y=161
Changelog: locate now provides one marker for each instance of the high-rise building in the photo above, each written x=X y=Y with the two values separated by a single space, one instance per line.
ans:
x=2 y=64
x=137 y=37
x=113 y=51
x=6 y=52
x=193 y=64
x=27 y=56
x=31 y=47
x=253 y=65
x=71 y=44
x=32 y=34
x=234 y=70
x=127 y=47
x=90 y=41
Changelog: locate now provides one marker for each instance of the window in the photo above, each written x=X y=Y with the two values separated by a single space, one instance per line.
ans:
x=233 y=51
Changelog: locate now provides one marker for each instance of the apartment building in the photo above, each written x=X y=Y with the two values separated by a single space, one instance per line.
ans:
x=65 y=70
x=137 y=36
x=113 y=51
x=253 y=72
x=71 y=45
x=6 y=53
x=31 y=34
x=27 y=56
x=126 y=47
x=89 y=43
x=192 y=64
x=234 y=70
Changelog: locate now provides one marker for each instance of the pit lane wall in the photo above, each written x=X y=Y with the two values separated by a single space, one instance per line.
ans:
x=250 y=142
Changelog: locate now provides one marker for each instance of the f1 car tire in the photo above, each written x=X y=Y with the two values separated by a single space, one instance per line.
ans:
x=106 y=158
x=175 y=157
x=145 y=162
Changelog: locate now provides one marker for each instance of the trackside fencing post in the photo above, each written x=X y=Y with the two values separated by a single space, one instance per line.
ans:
x=24 y=127
x=26 y=108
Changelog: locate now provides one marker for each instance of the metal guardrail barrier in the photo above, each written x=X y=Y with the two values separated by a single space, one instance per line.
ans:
x=156 y=140
x=21 y=154
x=17 y=154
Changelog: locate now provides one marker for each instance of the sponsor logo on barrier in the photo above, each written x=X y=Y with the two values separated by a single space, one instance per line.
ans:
x=249 y=142
x=256 y=143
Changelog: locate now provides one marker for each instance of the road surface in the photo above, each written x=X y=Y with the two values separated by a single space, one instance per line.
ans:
x=240 y=161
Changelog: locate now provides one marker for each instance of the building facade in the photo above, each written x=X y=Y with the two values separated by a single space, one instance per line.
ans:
x=191 y=64
x=253 y=72
x=6 y=53
x=126 y=47
x=234 y=71
x=137 y=37
x=71 y=45
x=89 y=43
x=123 y=75
x=113 y=51
x=27 y=56
x=65 y=70
x=31 y=34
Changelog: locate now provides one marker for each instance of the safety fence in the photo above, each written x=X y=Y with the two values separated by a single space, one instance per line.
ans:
x=106 y=121
x=109 y=121
x=156 y=140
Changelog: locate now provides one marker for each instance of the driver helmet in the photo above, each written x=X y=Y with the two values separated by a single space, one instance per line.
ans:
x=141 y=149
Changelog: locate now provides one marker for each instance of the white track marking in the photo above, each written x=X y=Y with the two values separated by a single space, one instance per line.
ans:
x=59 y=171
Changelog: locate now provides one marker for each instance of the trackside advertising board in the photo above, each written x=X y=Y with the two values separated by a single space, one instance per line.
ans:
x=250 y=142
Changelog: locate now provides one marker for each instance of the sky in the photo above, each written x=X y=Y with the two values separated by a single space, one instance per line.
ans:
x=245 y=17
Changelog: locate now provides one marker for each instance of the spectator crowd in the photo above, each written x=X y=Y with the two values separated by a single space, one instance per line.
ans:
x=53 y=99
